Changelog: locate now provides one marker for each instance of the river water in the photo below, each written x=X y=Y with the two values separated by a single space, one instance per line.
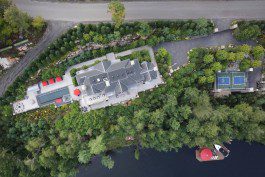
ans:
x=245 y=160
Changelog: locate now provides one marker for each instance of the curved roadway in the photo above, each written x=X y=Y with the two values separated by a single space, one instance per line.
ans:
x=146 y=10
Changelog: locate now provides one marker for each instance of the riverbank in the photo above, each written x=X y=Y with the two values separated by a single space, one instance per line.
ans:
x=245 y=160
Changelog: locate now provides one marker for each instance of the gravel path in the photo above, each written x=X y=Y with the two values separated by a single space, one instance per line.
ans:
x=179 y=49
x=54 y=30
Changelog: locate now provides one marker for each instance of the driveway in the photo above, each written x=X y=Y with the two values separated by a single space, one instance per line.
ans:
x=179 y=49
x=146 y=10
x=54 y=30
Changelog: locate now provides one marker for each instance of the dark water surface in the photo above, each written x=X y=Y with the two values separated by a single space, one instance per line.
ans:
x=245 y=160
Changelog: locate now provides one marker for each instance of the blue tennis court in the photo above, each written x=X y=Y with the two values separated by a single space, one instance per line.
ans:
x=239 y=80
x=223 y=81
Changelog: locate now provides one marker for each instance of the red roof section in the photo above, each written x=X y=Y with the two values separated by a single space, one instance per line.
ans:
x=77 y=92
x=44 y=83
x=206 y=154
x=59 y=100
x=51 y=81
x=58 y=79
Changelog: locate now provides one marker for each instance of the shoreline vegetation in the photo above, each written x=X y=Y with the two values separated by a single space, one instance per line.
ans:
x=54 y=141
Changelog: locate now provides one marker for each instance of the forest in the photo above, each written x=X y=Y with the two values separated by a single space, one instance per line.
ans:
x=182 y=112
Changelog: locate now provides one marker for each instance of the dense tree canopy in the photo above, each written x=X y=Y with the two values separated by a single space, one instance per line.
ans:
x=182 y=112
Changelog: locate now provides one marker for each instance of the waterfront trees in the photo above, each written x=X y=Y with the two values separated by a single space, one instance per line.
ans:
x=107 y=162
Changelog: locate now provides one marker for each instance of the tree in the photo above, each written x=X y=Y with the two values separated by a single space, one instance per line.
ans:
x=107 y=162
x=245 y=64
x=221 y=55
x=208 y=58
x=4 y=4
x=256 y=63
x=210 y=79
x=18 y=20
x=258 y=52
x=202 y=23
x=240 y=56
x=84 y=156
x=144 y=30
x=117 y=10
x=247 y=32
x=97 y=145
x=202 y=108
x=202 y=80
x=38 y=23
x=208 y=72
x=8 y=164
x=245 y=48
x=231 y=56
x=216 y=66
x=34 y=144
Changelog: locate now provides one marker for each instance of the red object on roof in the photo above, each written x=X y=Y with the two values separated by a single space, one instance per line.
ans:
x=58 y=79
x=77 y=92
x=206 y=154
x=44 y=83
x=51 y=81
x=59 y=100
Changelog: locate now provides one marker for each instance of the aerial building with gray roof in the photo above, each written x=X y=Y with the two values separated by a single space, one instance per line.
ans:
x=111 y=81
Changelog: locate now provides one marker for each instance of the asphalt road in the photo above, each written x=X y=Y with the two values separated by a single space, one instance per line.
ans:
x=146 y=10
x=54 y=30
